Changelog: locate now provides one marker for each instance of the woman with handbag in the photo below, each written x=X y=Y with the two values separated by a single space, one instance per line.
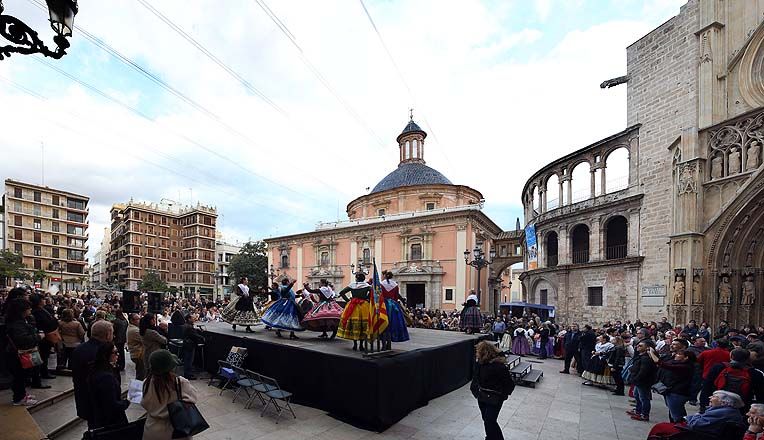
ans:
x=160 y=389
x=674 y=380
x=47 y=324
x=22 y=345
x=491 y=385
x=72 y=333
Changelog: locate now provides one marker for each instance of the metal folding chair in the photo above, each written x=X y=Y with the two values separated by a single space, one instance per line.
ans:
x=260 y=388
x=244 y=382
x=275 y=394
x=226 y=372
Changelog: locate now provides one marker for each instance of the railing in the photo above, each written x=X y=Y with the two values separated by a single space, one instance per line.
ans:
x=551 y=260
x=615 y=252
x=401 y=215
x=581 y=256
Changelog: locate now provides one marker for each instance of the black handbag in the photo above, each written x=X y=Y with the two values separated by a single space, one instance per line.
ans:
x=660 y=388
x=185 y=416
x=130 y=431
x=491 y=397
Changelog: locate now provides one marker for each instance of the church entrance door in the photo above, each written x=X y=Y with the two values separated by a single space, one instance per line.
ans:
x=415 y=294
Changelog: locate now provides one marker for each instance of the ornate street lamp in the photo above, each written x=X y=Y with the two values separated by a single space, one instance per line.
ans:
x=272 y=274
x=25 y=39
x=479 y=261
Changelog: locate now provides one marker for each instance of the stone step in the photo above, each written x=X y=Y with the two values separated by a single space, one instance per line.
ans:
x=532 y=378
x=521 y=369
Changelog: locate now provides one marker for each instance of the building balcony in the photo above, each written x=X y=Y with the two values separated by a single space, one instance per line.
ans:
x=616 y=252
x=580 y=257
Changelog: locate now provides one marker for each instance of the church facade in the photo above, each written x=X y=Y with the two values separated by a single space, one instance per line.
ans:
x=683 y=234
x=414 y=222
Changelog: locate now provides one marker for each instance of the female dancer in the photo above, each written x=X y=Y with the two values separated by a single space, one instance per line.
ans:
x=396 y=329
x=285 y=314
x=273 y=296
x=326 y=315
x=241 y=310
x=472 y=320
x=520 y=342
x=354 y=323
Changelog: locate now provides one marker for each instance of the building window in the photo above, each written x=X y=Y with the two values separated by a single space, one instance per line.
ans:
x=36 y=210
x=616 y=237
x=449 y=294
x=367 y=256
x=17 y=206
x=17 y=220
x=18 y=193
x=17 y=247
x=54 y=239
x=56 y=201
x=580 y=244
x=551 y=250
x=55 y=213
x=284 y=260
x=544 y=296
x=37 y=223
x=324 y=258
x=37 y=264
x=416 y=251
x=595 y=296
x=55 y=253
x=430 y=206
x=380 y=212
x=37 y=251
x=17 y=234
x=37 y=196
x=37 y=237
x=54 y=227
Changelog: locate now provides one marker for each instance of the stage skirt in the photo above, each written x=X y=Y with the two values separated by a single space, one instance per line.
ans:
x=471 y=318
x=520 y=345
x=232 y=315
x=397 y=322
x=354 y=324
x=324 y=317
x=306 y=306
x=284 y=314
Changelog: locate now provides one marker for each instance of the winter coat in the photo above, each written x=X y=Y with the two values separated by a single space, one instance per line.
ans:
x=158 y=426
x=677 y=376
x=643 y=370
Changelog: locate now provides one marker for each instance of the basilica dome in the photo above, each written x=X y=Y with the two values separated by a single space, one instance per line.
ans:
x=411 y=174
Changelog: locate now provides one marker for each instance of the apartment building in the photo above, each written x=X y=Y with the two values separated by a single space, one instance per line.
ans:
x=99 y=275
x=223 y=281
x=176 y=242
x=49 y=228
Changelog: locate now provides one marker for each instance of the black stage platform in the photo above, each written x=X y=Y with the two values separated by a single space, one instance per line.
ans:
x=369 y=393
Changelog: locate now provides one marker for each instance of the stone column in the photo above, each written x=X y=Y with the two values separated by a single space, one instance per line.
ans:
x=543 y=200
x=592 y=183
x=570 y=190
x=560 y=193
x=604 y=180
x=595 y=241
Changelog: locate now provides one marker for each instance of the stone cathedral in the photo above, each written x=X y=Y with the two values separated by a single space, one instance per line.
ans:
x=683 y=235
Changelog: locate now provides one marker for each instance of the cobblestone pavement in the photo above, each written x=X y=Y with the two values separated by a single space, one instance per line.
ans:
x=558 y=408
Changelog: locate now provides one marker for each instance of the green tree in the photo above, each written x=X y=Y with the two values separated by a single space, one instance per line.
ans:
x=39 y=275
x=11 y=266
x=251 y=262
x=151 y=281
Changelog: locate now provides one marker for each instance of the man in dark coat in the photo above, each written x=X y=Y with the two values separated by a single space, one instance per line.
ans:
x=543 y=340
x=572 y=343
x=586 y=345
x=81 y=360
x=642 y=371
x=45 y=323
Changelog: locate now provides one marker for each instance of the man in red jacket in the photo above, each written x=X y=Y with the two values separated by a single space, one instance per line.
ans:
x=715 y=356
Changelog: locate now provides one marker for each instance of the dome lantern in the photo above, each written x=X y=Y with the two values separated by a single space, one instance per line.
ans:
x=411 y=142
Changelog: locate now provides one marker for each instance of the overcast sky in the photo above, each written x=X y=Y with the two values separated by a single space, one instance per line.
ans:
x=293 y=115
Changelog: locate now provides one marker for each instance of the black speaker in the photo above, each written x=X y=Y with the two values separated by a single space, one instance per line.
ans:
x=155 y=302
x=131 y=301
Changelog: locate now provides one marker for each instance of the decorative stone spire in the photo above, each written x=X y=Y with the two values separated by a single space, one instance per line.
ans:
x=411 y=142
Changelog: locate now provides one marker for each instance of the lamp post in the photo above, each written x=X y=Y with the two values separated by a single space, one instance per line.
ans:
x=478 y=260
x=272 y=273
x=25 y=39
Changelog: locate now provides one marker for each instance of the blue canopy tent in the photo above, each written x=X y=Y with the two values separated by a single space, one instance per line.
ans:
x=516 y=309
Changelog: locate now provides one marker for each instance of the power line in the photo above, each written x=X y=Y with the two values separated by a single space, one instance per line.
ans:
x=314 y=70
x=400 y=76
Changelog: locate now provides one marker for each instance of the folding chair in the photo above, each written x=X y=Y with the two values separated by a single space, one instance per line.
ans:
x=244 y=382
x=276 y=394
x=259 y=388
x=226 y=372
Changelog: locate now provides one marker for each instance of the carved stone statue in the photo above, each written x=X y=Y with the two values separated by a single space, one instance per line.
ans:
x=734 y=162
x=725 y=291
x=749 y=291
x=679 y=290
x=696 y=296
x=754 y=152
x=716 y=167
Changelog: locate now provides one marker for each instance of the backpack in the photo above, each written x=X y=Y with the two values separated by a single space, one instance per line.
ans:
x=734 y=380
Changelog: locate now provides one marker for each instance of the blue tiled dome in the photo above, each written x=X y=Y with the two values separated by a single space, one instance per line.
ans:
x=411 y=174
x=412 y=127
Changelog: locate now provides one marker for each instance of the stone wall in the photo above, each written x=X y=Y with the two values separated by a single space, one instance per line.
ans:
x=662 y=96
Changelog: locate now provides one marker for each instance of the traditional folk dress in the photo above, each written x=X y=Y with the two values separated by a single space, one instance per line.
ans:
x=274 y=296
x=597 y=370
x=471 y=317
x=241 y=310
x=325 y=316
x=305 y=302
x=520 y=343
x=284 y=314
x=354 y=323
x=396 y=318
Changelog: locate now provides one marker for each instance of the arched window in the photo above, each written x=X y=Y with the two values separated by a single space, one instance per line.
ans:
x=616 y=238
x=581 y=183
x=415 y=155
x=553 y=193
x=408 y=149
x=284 y=260
x=551 y=249
x=536 y=202
x=580 y=244
x=416 y=251
x=617 y=170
